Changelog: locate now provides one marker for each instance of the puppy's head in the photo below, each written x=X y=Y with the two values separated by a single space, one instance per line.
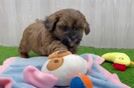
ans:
x=67 y=25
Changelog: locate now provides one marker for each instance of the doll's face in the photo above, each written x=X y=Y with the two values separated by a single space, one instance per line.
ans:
x=56 y=59
x=55 y=64
x=122 y=60
x=66 y=68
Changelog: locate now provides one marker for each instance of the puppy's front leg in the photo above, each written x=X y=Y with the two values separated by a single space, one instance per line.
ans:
x=55 y=46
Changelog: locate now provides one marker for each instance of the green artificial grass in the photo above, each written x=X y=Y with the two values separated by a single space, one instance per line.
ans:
x=126 y=77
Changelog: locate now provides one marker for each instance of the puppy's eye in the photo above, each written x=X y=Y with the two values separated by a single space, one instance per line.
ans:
x=78 y=28
x=63 y=28
x=66 y=29
x=60 y=26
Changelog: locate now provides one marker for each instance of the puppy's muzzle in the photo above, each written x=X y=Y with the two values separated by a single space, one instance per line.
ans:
x=71 y=41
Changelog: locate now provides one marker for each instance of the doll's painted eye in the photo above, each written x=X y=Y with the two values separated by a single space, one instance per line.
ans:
x=56 y=61
x=55 y=64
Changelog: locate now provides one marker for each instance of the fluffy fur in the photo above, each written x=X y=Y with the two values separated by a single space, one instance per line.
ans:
x=63 y=30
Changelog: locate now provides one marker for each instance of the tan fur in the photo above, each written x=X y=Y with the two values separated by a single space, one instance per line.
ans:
x=44 y=37
x=37 y=38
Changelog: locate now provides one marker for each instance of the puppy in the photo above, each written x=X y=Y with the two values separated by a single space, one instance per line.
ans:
x=63 y=30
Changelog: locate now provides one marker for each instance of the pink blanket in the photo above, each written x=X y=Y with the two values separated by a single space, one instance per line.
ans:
x=18 y=72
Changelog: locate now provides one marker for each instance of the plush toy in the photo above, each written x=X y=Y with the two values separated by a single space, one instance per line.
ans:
x=62 y=69
x=120 y=60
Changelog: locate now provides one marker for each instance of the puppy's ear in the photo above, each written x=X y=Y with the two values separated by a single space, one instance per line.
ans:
x=86 y=28
x=51 y=21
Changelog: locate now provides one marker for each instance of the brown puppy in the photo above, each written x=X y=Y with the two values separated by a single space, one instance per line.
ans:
x=63 y=30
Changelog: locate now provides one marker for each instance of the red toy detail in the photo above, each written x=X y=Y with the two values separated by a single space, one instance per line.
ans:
x=119 y=67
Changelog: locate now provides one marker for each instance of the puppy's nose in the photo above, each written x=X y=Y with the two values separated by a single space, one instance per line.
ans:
x=73 y=37
x=72 y=44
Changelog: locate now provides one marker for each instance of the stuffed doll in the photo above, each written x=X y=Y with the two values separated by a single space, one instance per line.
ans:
x=120 y=60
x=62 y=69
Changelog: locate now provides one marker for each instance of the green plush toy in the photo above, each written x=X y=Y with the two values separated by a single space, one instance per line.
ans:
x=119 y=59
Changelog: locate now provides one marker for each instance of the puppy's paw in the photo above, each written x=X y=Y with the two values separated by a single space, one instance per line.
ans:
x=24 y=55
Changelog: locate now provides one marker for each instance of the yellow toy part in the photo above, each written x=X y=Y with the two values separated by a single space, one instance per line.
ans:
x=120 y=58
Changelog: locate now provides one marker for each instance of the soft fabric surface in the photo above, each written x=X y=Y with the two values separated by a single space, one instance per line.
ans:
x=12 y=76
